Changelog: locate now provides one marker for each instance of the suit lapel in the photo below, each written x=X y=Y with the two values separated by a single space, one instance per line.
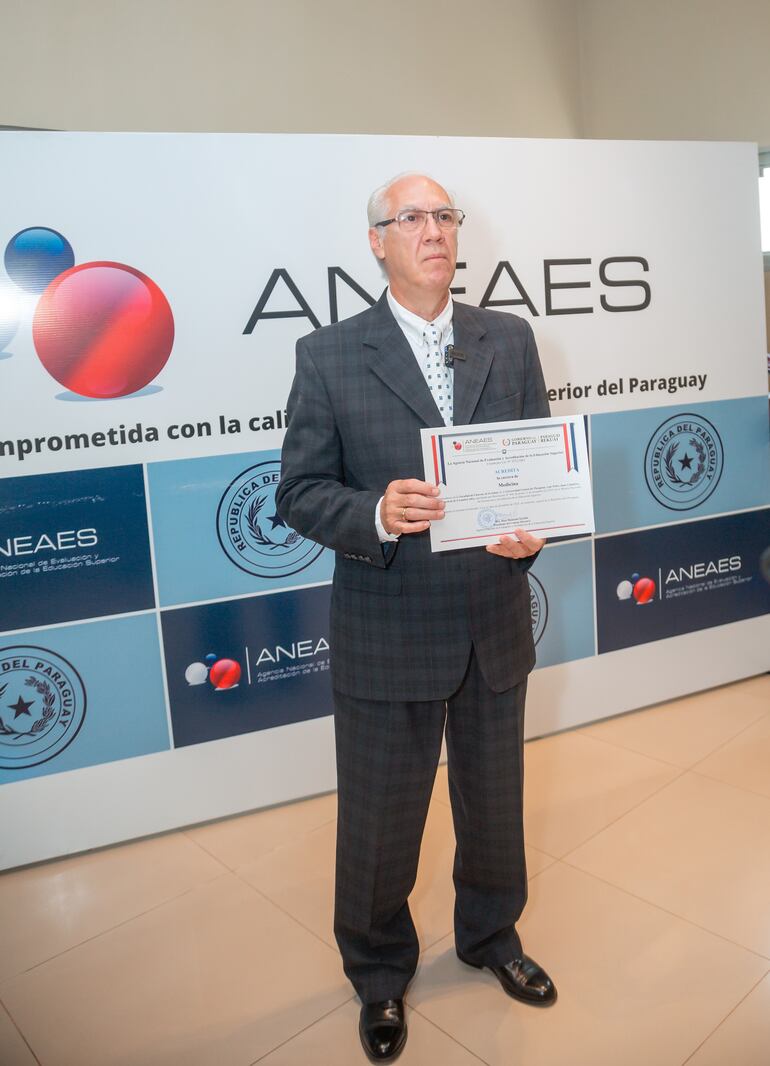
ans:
x=392 y=360
x=471 y=373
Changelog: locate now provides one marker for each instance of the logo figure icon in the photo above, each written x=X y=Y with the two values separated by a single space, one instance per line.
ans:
x=639 y=589
x=538 y=604
x=42 y=705
x=683 y=461
x=222 y=673
x=35 y=256
x=101 y=329
x=251 y=532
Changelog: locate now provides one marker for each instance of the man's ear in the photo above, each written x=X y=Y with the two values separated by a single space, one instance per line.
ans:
x=376 y=242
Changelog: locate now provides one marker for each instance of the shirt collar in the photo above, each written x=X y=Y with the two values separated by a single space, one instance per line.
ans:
x=414 y=326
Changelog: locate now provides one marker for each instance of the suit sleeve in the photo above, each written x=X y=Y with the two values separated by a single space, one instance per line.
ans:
x=312 y=496
x=536 y=403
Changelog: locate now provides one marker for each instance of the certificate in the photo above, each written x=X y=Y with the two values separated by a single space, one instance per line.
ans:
x=501 y=476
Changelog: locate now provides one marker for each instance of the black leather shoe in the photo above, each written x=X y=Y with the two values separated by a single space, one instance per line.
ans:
x=383 y=1030
x=523 y=979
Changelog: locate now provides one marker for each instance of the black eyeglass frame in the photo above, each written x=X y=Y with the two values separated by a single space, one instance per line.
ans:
x=459 y=217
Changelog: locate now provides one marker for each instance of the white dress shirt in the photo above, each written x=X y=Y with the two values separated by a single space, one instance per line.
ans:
x=425 y=339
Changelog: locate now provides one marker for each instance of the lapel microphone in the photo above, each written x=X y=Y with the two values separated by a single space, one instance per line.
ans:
x=451 y=353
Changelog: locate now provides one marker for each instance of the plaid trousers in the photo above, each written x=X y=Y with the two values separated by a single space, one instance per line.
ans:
x=387 y=754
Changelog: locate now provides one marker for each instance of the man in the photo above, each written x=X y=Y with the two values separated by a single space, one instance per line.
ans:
x=418 y=639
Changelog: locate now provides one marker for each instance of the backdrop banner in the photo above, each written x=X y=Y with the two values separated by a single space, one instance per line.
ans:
x=164 y=643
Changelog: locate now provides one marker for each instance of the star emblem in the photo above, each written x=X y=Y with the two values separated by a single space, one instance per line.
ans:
x=686 y=463
x=277 y=521
x=21 y=707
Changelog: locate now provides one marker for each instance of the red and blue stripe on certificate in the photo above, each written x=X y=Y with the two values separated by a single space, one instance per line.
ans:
x=570 y=448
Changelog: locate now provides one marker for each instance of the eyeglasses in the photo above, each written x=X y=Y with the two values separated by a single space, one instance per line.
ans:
x=412 y=221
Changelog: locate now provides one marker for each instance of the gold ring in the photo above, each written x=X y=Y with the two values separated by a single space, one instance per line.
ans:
x=403 y=514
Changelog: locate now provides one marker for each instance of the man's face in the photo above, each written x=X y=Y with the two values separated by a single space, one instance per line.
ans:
x=416 y=263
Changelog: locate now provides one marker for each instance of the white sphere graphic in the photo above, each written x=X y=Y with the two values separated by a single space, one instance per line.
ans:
x=625 y=590
x=196 y=674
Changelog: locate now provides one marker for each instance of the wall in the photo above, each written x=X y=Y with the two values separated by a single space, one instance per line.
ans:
x=690 y=69
x=681 y=69
x=500 y=67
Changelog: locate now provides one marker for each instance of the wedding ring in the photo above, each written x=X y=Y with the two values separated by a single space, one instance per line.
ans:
x=403 y=514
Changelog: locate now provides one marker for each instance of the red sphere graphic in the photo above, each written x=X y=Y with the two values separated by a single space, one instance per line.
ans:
x=644 y=590
x=103 y=329
x=225 y=673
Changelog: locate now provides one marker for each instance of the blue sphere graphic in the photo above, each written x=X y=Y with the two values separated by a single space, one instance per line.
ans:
x=210 y=659
x=9 y=312
x=37 y=255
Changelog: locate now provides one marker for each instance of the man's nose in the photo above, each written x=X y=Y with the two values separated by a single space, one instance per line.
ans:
x=432 y=231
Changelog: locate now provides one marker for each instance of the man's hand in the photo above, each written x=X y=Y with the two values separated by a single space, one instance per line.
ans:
x=410 y=506
x=526 y=545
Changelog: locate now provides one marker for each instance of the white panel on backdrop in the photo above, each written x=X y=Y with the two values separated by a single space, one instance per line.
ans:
x=163 y=635
x=209 y=218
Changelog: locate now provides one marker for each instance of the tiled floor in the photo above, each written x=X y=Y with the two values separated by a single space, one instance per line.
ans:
x=649 y=864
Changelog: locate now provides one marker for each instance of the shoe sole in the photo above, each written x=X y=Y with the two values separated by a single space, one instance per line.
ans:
x=511 y=995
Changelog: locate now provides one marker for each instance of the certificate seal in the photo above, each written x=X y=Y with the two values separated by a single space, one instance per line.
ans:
x=683 y=461
x=486 y=518
x=42 y=705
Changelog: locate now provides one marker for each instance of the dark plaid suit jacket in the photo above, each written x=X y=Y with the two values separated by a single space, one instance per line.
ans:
x=402 y=617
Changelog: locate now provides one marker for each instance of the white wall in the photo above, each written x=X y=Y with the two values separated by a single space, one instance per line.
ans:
x=496 y=67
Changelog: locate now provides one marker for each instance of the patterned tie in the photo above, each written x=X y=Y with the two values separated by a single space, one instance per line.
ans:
x=438 y=376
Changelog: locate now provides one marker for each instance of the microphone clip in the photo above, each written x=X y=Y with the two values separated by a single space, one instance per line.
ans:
x=451 y=353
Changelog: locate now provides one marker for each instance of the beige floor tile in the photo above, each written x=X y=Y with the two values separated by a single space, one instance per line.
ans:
x=334 y=1042
x=217 y=976
x=537 y=861
x=699 y=848
x=575 y=785
x=49 y=908
x=686 y=730
x=636 y=985
x=744 y=761
x=441 y=786
x=244 y=838
x=743 y=1038
x=300 y=878
x=13 y=1050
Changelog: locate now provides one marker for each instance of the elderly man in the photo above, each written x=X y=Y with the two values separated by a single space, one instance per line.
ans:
x=420 y=641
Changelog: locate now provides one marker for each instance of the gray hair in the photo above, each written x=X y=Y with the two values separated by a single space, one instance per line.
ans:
x=377 y=207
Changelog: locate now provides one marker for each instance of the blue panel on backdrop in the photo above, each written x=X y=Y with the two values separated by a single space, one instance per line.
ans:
x=73 y=545
x=562 y=598
x=80 y=695
x=217 y=532
x=679 y=579
x=247 y=664
x=665 y=464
